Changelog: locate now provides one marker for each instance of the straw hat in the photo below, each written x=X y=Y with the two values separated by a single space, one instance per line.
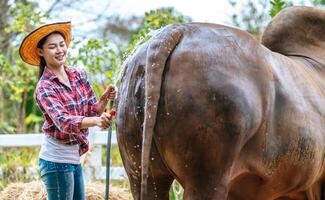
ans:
x=28 y=48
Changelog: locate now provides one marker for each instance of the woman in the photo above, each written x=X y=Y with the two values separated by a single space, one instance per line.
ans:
x=69 y=106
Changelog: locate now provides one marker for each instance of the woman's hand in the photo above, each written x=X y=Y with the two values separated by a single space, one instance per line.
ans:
x=104 y=121
x=109 y=94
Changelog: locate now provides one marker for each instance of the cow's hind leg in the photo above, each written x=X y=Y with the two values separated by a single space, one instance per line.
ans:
x=200 y=192
x=159 y=177
x=158 y=187
x=204 y=147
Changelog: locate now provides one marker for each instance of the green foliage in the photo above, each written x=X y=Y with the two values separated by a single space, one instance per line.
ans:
x=10 y=162
x=154 y=19
x=318 y=2
x=33 y=118
x=115 y=156
x=100 y=60
x=7 y=126
x=17 y=78
x=176 y=191
x=277 y=6
x=25 y=18
x=13 y=158
x=250 y=15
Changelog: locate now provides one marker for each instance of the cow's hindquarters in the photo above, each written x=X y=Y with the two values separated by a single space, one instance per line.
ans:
x=207 y=113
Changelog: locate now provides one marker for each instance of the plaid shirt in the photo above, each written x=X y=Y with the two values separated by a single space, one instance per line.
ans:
x=64 y=107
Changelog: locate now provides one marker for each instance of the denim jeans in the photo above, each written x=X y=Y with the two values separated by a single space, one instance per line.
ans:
x=62 y=181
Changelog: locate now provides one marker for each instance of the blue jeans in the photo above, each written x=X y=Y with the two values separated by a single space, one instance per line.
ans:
x=62 y=181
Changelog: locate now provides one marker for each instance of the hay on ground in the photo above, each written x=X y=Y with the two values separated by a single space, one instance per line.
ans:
x=36 y=191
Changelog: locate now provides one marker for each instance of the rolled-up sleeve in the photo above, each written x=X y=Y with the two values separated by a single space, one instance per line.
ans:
x=49 y=102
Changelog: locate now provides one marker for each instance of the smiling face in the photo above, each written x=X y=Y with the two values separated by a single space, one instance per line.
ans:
x=54 y=50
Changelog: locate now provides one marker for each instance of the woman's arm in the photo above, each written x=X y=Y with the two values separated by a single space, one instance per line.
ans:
x=63 y=120
x=50 y=104
x=104 y=121
x=89 y=122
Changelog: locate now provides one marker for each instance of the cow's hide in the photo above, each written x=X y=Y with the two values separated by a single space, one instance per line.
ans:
x=227 y=116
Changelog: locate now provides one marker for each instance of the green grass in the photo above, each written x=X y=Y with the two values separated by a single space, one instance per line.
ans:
x=13 y=158
x=176 y=191
x=23 y=157
x=116 y=159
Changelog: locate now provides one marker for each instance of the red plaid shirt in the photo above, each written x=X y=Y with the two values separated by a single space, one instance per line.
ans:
x=64 y=108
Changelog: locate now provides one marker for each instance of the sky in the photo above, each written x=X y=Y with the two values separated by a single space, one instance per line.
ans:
x=215 y=11
x=203 y=10
x=199 y=10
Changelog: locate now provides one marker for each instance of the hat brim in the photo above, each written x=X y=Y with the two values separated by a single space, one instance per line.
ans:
x=28 y=48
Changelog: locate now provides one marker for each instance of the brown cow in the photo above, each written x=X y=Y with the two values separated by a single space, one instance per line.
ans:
x=227 y=116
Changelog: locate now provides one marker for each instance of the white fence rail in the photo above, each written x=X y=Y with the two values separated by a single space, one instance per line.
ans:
x=92 y=162
x=28 y=140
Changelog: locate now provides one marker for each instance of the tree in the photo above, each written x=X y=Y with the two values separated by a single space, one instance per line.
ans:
x=120 y=29
x=277 y=6
x=4 y=46
x=100 y=59
x=250 y=16
x=153 y=20
x=318 y=2
x=5 y=37
x=253 y=16
x=18 y=78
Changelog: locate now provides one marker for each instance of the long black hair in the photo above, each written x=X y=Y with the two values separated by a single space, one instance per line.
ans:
x=40 y=45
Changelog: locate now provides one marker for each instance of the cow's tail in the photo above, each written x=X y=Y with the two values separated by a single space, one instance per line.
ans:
x=159 y=49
